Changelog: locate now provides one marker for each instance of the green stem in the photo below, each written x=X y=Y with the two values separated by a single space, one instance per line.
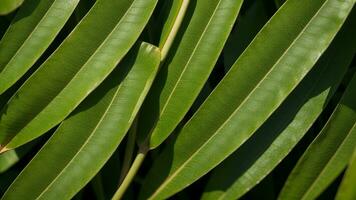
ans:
x=130 y=146
x=176 y=25
x=131 y=174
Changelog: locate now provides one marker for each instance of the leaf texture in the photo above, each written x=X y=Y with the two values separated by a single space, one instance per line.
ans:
x=251 y=91
x=91 y=134
x=184 y=73
x=285 y=128
x=76 y=68
x=328 y=154
x=29 y=36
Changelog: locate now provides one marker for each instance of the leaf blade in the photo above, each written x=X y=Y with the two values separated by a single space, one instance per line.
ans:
x=91 y=134
x=29 y=39
x=209 y=27
x=251 y=86
x=99 y=50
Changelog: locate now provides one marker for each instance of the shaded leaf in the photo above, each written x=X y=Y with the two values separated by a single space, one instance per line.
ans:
x=251 y=91
x=185 y=71
x=32 y=30
x=76 y=68
x=328 y=154
x=285 y=128
x=91 y=134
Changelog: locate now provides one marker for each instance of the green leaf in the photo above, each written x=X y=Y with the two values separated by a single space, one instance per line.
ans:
x=170 y=22
x=10 y=158
x=285 y=128
x=7 y=6
x=347 y=188
x=260 y=80
x=85 y=141
x=77 y=67
x=247 y=26
x=32 y=30
x=182 y=77
x=328 y=154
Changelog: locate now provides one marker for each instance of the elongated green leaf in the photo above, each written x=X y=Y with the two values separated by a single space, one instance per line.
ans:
x=182 y=77
x=78 y=66
x=247 y=26
x=10 y=158
x=285 y=128
x=252 y=90
x=29 y=36
x=7 y=6
x=328 y=154
x=91 y=134
x=347 y=188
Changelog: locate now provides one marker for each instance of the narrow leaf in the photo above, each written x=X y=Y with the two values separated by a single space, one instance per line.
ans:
x=186 y=70
x=328 y=154
x=285 y=128
x=251 y=91
x=32 y=30
x=347 y=188
x=86 y=140
x=77 y=67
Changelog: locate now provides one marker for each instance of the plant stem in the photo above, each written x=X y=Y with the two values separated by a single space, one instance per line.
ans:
x=131 y=174
x=174 y=30
x=129 y=150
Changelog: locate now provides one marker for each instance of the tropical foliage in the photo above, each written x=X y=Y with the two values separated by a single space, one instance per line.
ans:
x=180 y=99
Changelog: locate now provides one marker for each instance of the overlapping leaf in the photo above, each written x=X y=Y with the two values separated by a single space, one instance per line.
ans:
x=77 y=67
x=285 y=128
x=347 y=188
x=263 y=76
x=30 y=33
x=329 y=153
x=84 y=142
x=186 y=70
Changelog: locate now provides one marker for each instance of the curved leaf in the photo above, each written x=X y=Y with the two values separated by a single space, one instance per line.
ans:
x=251 y=91
x=328 y=154
x=185 y=72
x=285 y=128
x=247 y=26
x=77 y=67
x=347 y=188
x=33 y=29
x=7 y=6
x=91 y=134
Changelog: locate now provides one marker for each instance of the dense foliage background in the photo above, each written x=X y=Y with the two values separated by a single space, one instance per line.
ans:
x=180 y=99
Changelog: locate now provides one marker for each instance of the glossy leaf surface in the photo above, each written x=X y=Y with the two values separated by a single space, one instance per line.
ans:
x=29 y=36
x=285 y=128
x=251 y=91
x=91 y=134
x=77 y=67
x=183 y=75
x=329 y=153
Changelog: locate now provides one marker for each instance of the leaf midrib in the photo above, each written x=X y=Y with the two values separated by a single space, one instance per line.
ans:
x=84 y=144
x=237 y=109
x=188 y=62
x=77 y=73
x=308 y=191
x=29 y=36
x=309 y=92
